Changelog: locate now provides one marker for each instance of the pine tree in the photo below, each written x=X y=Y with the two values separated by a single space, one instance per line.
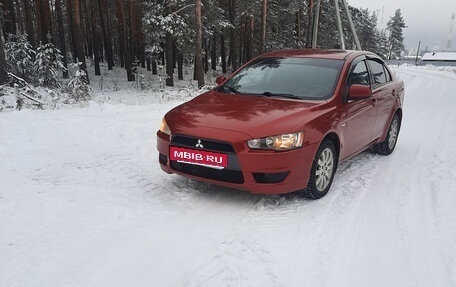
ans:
x=396 y=40
x=20 y=56
x=79 y=89
x=166 y=25
x=48 y=61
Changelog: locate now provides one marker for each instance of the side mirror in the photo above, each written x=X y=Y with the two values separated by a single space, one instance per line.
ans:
x=220 y=80
x=359 y=92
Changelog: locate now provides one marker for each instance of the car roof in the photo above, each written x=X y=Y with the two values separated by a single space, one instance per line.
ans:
x=315 y=53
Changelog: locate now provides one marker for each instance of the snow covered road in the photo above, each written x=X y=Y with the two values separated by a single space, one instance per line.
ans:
x=83 y=202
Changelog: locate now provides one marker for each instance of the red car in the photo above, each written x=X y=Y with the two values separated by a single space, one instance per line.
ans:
x=284 y=121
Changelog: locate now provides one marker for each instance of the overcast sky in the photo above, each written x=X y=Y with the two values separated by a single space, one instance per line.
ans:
x=427 y=21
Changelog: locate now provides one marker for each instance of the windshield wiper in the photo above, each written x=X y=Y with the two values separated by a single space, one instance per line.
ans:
x=282 y=95
x=230 y=89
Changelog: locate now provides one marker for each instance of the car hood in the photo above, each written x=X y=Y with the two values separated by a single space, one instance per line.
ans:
x=255 y=116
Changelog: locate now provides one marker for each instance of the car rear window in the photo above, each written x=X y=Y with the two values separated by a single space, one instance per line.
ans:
x=304 y=78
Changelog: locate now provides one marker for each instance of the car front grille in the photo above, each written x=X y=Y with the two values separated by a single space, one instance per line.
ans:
x=225 y=175
x=210 y=145
x=231 y=174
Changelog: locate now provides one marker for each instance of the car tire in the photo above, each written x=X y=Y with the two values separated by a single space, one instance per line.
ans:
x=387 y=146
x=322 y=172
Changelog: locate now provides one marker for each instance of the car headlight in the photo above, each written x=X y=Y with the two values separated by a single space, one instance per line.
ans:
x=164 y=127
x=279 y=143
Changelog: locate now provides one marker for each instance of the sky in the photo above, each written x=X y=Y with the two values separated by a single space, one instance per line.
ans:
x=426 y=21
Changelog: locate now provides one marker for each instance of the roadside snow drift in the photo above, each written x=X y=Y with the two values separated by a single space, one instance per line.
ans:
x=83 y=202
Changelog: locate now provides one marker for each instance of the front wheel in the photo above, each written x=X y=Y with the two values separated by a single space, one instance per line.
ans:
x=322 y=172
x=387 y=146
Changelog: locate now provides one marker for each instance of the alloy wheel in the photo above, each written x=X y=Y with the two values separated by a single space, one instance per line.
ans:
x=325 y=169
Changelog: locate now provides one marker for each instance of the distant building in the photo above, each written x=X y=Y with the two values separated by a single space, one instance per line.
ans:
x=440 y=56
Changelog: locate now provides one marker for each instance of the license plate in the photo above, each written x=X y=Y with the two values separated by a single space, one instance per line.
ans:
x=198 y=157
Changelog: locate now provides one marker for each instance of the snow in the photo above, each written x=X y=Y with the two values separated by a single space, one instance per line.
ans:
x=83 y=202
x=440 y=56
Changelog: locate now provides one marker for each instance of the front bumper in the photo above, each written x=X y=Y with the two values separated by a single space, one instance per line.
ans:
x=256 y=171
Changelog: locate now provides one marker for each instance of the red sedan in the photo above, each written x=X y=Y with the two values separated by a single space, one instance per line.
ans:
x=284 y=121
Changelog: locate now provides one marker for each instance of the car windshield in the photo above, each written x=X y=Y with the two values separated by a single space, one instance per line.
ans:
x=300 y=78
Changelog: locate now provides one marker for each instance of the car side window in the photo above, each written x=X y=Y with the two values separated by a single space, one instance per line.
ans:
x=378 y=73
x=359 y=75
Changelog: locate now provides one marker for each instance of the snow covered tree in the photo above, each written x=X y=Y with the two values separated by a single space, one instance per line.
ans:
x=48 y=61
x=366 y=27
x=381 y=48
x=78 y=85
x=396 y=40
x=20 y=56
x=164 y=24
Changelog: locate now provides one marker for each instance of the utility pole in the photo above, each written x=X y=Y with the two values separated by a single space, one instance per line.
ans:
x=352 y=26
x=339 y=25
x=417 y=53
x=316 y=23
x=450 y=34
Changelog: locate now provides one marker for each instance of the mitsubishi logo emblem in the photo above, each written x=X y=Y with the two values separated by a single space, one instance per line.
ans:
x=199 y=144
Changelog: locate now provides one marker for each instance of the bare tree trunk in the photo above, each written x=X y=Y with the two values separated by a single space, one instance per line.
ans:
x=95 y=37
x=9 y=19
x=223 y=52
x=58 y=7
x=86 y=28
x=206 y=56
x=148 y=63
x=242 y=40
x=78 y=39
x=20 y=17
x=180 y=65
x=154 y=67
x=169 y=60
x=29 y=23
x=103 y=10
x=264 y=12
x=214 y=52
x=198 y=61
x=126 y=39
x=174 y=54
x=232 y=14
x=3 y=72
x=43 y=20
x=250 y=37
x=39 y=24
x=298 y=28
x=120 y=31
x=70 y=17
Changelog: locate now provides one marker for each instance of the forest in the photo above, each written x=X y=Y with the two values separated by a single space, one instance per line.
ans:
x=44 y=37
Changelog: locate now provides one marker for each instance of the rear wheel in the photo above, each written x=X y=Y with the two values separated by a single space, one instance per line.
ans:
x=387 y=146
x=322 y=171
